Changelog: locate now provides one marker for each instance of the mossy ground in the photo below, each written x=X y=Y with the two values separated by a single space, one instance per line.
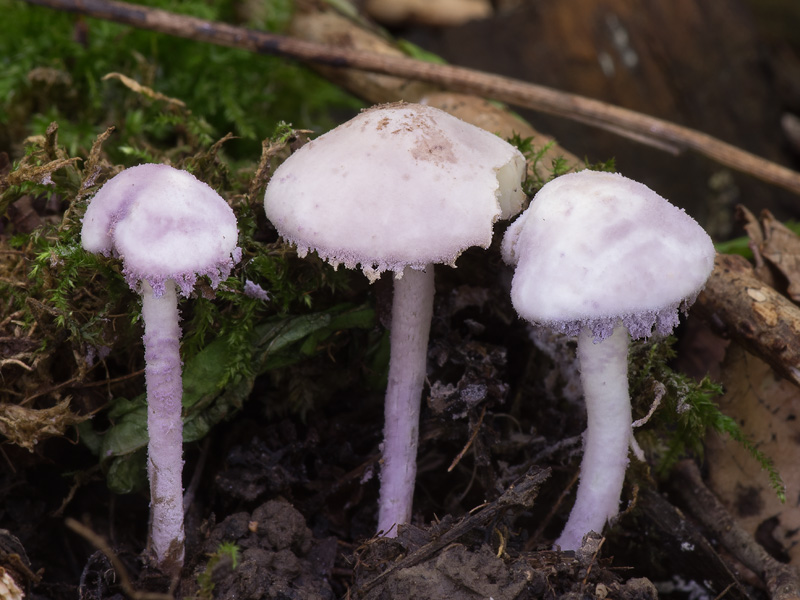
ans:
x=283 y=397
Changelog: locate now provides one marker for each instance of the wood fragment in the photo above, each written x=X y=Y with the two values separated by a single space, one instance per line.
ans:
x=782 y=581
x=739 y=305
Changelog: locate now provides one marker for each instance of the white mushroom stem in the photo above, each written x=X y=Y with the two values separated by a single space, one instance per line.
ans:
x=162 y=335
x=604 y=375
x=412 y=310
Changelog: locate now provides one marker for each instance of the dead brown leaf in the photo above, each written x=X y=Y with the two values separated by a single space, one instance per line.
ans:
x=776 y=250
x=767 y=408
x=781 y=248
x=26 y=427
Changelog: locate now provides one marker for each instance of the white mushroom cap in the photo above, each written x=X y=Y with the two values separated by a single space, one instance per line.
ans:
x=164 y=224
x=595 y=248
x=399 y=185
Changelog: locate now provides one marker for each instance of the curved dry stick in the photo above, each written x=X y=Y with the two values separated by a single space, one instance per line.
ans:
x=782 y=580
x=119 y=568
x=657 y=132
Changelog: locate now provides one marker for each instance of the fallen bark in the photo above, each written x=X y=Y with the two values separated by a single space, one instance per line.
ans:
x=738 y=305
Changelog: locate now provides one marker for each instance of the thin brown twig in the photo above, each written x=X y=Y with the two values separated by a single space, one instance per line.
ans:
x=658 y=132
x=724 y=592
x=74 y=383
x=521 y=493
x=119 y=568
x=111 y=380
x=471 y=439
x=593 y=561
x=537 y=535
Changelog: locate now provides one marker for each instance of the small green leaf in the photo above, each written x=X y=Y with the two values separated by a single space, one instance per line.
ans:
x=208 y=395
x=127 y=473
x=129 y=432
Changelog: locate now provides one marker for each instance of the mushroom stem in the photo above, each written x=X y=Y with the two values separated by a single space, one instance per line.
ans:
x=412 y=310
x=604 y=375
x=162 y=335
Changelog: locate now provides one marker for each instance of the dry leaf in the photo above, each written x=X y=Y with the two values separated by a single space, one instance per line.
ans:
x=781 y=248
x=27 y=426
x=776 y=250
x=767 y=408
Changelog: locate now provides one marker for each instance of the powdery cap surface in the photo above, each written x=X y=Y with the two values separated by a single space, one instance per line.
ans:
x=595 y=248
x=399 y=185
x=164 y=224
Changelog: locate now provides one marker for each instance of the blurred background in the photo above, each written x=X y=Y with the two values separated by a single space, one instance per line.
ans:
x=730 y=69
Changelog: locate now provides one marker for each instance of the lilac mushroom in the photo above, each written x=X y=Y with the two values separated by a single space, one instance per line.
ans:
x=398 y=188
x=168 y=228
x=605 y=258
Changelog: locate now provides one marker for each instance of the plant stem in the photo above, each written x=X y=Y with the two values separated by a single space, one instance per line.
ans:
x=164 y=424
x=412 y=310
x=604 y=375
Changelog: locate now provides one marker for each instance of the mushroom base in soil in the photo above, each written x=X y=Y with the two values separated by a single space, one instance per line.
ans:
x=399 y=188
x=168 y=228
x=604 y=258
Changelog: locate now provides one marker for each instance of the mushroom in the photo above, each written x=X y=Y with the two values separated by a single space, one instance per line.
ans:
x=398 y=188
x=168 y=228
x=605 y=258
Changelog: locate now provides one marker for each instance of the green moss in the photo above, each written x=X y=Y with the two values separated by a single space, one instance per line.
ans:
x=52 y=67
x=559 y=165
x=76 y=309
x=687 y=412
x=225 y=551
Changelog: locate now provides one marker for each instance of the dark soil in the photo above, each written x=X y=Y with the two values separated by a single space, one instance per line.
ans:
x=298 y=497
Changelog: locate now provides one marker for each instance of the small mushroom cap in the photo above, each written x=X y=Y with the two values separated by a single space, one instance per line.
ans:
x=398 y=185
x=164 y=224
x=595 y=248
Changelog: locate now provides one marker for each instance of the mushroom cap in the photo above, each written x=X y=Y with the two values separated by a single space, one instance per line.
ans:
x=164 y=224
x=595 y=248
x=398 y=185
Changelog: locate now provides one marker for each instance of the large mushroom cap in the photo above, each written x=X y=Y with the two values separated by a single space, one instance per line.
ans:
x=164 y=224
x=399 y=185
x=594 y=248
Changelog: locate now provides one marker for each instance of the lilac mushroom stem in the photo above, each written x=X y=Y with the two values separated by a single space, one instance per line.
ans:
x=162 y=335
x=604 y=375
x=412 y=310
